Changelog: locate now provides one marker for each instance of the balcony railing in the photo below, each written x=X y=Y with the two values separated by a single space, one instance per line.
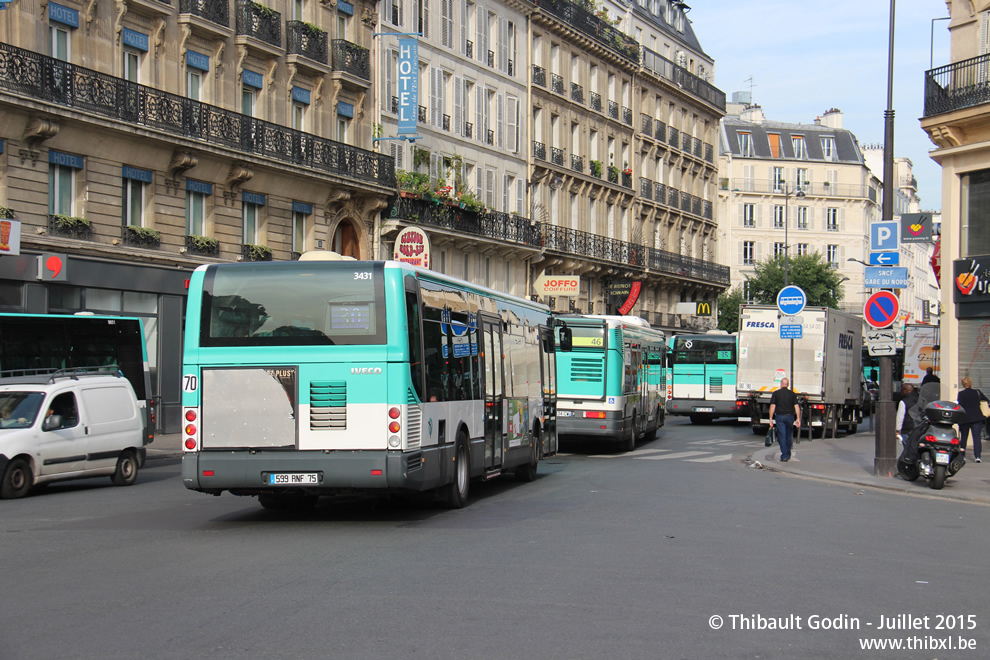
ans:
x=613 y=174
x=815 y=189
x=697 y=147
x=613 y=109
x=539 y=151
x=595 y=102
x=686 y=143
x=539 y=76
x=556 y=83
x=43 y=78
x=645 y=188
x=214 y=12
x=627 y=179
x=511 y=69
x=664 y=68
x=263 y=24
x=306 y=40
x=646 y=122
x=709 y=153
x=491 y=224
x=350 y=58
x=668 y=262
x=627 y=116
x=673 y=136
x=956 y=86
x=661 y=131
x=595 y=246
x=601 y=31
x=577 y=93
x=557 y=156
x=577 y=163
x=660 y=193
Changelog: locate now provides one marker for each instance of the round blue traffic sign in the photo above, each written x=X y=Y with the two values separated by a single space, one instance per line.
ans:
x=791 y=300
x=881 y=309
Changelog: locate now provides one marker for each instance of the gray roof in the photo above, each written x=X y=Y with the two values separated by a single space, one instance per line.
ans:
x=847 y=147
x=687 y=38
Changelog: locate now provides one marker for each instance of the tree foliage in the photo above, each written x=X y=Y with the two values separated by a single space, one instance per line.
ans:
x=811 y=272
x=728 y=309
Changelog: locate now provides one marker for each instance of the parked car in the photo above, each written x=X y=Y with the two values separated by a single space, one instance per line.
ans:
x=68 y=424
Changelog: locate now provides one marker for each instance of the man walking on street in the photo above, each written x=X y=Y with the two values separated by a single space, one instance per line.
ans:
x=788 y=417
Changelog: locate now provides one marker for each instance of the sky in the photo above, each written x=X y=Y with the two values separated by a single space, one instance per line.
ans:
x=805 y=58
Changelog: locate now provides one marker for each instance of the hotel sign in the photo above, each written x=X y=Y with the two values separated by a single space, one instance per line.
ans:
x=408 y=85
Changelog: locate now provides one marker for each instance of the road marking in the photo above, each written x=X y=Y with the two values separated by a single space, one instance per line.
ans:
x=710 y=459
x=683 y=454
x=651 y=451
x=722 y=443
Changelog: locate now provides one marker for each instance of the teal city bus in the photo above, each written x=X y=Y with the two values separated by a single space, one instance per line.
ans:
x=311 y=377
x=702 y=383
x=611 y=381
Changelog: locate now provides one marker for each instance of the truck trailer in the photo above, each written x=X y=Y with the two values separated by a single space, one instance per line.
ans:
x=828 y=370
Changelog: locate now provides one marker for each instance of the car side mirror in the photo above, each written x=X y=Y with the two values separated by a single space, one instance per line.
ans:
x=566 y=338
x=51 y=423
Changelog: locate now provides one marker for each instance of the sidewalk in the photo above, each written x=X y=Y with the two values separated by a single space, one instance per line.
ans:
x=849 y=459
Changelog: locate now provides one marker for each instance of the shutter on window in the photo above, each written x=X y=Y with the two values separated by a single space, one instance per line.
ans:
x=479 y=189
x=434 y=101
x=520 y=197
x=464 y=27
x=512 y=143
x=388 y=10
x=479 y=116
x=811 y=218
x=397 y=153
x=505 y=193
x=435 y=163
x=426 y=19
x=500 y=121
x=742 y=215
x=842 y=220
x=387 y=92
x=490 y=188
x=458 y=110
x=480 y=18
x=446 y=23
x=503 y=45
x=759 y=215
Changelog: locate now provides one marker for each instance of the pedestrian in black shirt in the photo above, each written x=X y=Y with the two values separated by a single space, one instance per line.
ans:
x=930 y=377
x=788 y=417
x=969 y=399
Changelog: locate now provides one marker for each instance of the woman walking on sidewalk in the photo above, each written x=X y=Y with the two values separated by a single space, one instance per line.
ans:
x=970 y=400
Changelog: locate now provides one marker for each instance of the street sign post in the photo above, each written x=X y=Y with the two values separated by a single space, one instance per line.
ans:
x=791 y=300
x=880 y=350
x=791 y=331
x=881 y=309
x=885 y=258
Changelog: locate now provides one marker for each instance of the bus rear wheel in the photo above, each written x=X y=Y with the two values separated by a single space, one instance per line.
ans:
x=455 y=494
x=528 y=472
x=633 y=433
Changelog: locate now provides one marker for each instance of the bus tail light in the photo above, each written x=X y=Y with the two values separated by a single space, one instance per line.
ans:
x=393 y=427
x=190 y=431
x=594 y=415
x=393 y=413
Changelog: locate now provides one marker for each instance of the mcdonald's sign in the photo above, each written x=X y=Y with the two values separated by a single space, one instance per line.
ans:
x=703 y=308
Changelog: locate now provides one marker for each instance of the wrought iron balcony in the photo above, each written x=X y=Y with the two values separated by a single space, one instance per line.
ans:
x=613 y=174
x=660 y=193
x=697 y=147
x=490 y=224
x=613 y=109
x=686 y=143
x=585 y=244
x=469 y=49
x=350 y=58
x=446 y=122
x=577 y=163
x=661 y=131
x=673 y=197
x=258 y=21
x=557 y=156
x=647 y=124
x=468 y=129
x=627 y=116
x=214 y=12
x=556 y=83
x=595 y=102
x=627 y=179
x=539 y=151
x=668 y=262
x=685 y=204
x=46 y=79
x=673 y=136
x=645 y=188
x=958 y=85
x=539 y=76
x=600 y=30
x=811 y=189
x=690 y=83
x=577 y=93
x=306 y=40
x=709 y=153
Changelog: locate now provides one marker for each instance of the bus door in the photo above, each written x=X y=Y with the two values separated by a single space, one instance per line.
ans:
x=494 y=395
x=548 y=376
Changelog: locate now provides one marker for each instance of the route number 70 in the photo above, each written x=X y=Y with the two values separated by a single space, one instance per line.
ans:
x=190 y=383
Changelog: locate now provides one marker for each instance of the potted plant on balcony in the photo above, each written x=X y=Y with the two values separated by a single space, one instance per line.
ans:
x=613 y=172
x=6 y=213
x=134 y=235
x=469 y=202
x=596 y=168
x=68 y=225
x=412 y=184
x=627 y=170
x=254 y=252
x=206 y=245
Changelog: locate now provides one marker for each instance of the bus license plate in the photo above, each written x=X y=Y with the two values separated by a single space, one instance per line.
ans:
x=941 y=458
x=293 y=479
x=563 y=413
x=704 y=410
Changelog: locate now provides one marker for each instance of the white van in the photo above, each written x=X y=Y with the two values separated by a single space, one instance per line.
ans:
x=66 y=425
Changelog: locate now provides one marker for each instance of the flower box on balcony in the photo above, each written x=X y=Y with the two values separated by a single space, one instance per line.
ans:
x=142 y=236
x=69 y=226
x=204 y=245
x=252 y=252
x=6 y=213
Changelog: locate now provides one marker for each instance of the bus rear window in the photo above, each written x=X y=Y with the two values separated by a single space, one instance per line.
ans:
x=288 y=304
x=584 y=338
x=704 y=351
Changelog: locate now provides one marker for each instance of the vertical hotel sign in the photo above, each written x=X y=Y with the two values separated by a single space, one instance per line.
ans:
x=408 y=85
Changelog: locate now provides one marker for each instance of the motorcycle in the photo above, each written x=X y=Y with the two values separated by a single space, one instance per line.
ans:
x=932 y=450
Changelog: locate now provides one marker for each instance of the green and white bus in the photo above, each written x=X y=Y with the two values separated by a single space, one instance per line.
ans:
x=309 y=378
x=611 y=383
x=702 y=383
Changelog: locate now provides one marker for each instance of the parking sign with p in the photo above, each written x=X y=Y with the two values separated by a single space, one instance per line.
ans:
x=884 y=236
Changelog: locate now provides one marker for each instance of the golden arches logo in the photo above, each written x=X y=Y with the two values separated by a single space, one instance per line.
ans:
x=704 y=309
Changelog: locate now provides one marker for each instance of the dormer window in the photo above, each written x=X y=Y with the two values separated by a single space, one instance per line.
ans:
x=828 y=149
x=745 y=144
x=800 y=148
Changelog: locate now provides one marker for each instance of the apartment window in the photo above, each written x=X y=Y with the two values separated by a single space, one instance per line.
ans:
x=247 y=101
x=132 y=65
x=298 y=10
x=774 y=144
x=342 y=126
x=342 y=24
x=249 y=226
x=748 y=253
x=975 y=239
x=828 y=149
x=745 y=144
x=800 y=148
x=60 y=42
x=61 y=189
x=749 y=215
x=802 y=178
x=195 y=213
x=778 y=217
x=447 y=23
x=132 y=200
x=832 y=255
x=779 y=250
x=299 y=116
x=802 y=217
x=832 y=219
x=778 y=179
x=802 y=249
x=194 y=84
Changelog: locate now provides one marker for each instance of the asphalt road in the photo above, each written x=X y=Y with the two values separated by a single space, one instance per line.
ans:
x=605 y=555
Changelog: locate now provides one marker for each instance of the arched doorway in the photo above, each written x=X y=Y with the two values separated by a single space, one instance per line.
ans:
x=345 y=240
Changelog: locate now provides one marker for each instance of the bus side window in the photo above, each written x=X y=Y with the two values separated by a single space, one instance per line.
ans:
x=415 y=347
x=435 y=355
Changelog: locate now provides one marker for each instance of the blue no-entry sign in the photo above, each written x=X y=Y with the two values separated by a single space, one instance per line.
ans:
x=791 y=300
x=881 y=309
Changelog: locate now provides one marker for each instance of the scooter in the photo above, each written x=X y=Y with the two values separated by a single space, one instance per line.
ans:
x=932 y=450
